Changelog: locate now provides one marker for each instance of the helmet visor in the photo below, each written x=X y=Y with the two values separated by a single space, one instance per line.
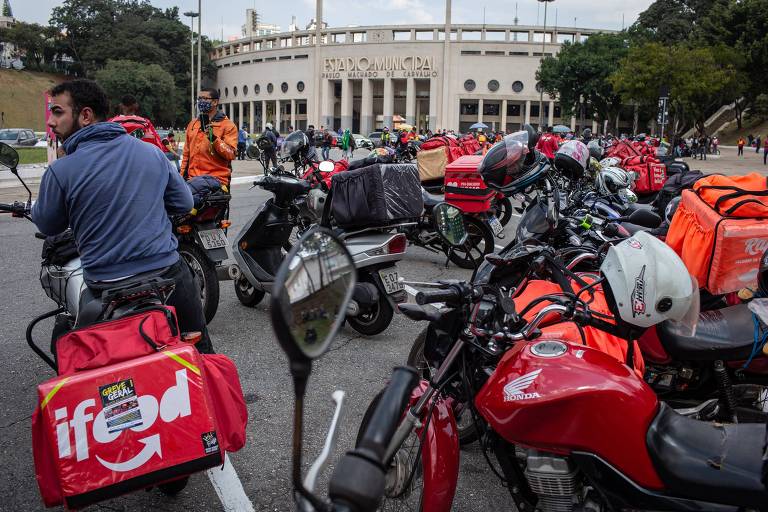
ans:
x=686 y=325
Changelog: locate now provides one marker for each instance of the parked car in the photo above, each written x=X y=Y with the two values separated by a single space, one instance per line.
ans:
x=19 y=137
x=363 y=142
x=375 y=137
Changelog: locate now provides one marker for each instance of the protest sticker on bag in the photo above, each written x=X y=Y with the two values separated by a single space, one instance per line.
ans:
x=121 y=406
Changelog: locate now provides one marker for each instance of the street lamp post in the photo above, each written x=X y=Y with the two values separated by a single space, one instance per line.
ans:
x=199 y=41
x=543 y=47
x=192 y=15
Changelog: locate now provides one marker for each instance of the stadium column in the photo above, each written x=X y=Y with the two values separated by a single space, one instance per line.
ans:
x=480 y=110
x=277 y=116
x=252 y=112
x=433 y=104
x=263 y=115
x=410 y=101
x=346 y=103
x=293 y=114
x=551 y=118
x=366 y=108
x=389 y=102
x=239 y=121
x=503 y=124
x=527 y=111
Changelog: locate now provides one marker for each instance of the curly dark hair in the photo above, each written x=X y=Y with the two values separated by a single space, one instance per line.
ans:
x=85 y=93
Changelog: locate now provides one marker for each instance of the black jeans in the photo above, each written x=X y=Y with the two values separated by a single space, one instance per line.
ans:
x=241 y=150
x=271 y=156
x=185 y=298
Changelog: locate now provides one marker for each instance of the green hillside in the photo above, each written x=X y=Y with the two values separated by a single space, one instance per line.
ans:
x=21 y=97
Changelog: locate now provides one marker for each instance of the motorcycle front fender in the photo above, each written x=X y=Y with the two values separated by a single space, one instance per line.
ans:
x=439 y=454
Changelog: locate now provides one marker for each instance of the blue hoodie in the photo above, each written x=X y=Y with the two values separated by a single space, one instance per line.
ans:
x=116 y=193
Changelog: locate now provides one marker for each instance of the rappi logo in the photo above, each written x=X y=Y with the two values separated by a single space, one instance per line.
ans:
x=175 y=403
x=755 y=246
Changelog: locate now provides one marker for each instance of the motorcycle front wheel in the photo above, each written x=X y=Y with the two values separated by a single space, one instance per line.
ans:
x=502 y=209
x=247 y=294
x=205 y=275
x=479 y=243
x=404 y=481
x=464 y=423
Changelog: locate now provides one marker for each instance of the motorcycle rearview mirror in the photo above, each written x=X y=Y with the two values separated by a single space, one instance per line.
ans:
x=310 y=295
x=327 y=166
x=9 y=157
x=644 y=218
x=449 y=223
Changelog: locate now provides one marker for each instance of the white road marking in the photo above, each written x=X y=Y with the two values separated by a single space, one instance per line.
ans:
x=229 y=488
x=499 y=247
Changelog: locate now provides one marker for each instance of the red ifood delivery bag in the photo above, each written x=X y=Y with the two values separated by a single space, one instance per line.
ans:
x=103 y=432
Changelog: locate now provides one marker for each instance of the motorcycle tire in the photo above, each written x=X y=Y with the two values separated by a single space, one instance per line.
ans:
x=503 y=210
x=173 y=487
x=252 y=153
x=397 y=494
x=375 y=321
x=480 y=242
x=464 y=424
x=204 y=272
x=247 y=294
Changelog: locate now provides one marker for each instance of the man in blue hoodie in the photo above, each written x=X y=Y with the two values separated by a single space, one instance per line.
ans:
x=116 y=193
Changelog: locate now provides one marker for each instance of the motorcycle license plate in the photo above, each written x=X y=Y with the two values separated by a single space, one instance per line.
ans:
x=495 y=226
x=391 y=280
x=213 y=238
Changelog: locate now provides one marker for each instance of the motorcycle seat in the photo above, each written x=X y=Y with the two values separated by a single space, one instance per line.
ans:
x=722 y=334
x=707 y=461
x=639 y=206
x=431 y=200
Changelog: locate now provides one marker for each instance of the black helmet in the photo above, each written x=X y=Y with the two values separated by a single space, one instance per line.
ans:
x=677 y=168
x=595 y=150
x=586 y=134
x=762 y=275
x=571 y=159
x=294 y=145
x=503 y=167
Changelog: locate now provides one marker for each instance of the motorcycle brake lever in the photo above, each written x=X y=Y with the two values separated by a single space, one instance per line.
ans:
x=330 y=443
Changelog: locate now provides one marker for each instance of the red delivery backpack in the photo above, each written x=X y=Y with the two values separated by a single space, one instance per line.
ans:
x=133 y=406
x=720 y=231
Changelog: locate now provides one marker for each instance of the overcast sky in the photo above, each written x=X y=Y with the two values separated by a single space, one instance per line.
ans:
x=228 y=15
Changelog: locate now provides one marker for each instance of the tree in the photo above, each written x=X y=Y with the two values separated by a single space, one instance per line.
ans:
x=149 y=82
x=700 y=80
x=35 y=41
x=581 y=70
x=672 y=21
x=97 y=31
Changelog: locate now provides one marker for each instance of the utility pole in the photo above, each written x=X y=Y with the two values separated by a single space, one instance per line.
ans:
x=543 y=49
x=199 y=42
x=192 y=15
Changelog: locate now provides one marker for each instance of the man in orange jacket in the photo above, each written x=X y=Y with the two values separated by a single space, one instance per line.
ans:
x=211 y=142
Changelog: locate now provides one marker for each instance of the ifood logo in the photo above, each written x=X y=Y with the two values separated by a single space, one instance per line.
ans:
x=175 y=403
x=755 y=246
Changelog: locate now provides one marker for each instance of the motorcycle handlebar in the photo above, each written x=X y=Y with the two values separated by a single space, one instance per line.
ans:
x=388 y=412
x=431 y=297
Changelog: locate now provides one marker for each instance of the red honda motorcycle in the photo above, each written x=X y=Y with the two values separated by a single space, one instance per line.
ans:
x=571 y=427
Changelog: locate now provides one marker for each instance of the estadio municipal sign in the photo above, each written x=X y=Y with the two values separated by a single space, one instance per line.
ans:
x=409 y=66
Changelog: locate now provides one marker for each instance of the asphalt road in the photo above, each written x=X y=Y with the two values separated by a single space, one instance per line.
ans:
x=355 y=364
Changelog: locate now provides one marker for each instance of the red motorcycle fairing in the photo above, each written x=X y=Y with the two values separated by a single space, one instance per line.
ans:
x=580 y=400
x=439 y=454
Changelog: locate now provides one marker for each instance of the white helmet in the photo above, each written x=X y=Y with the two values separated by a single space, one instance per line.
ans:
x=651 y=284
x=268 y=126
x=627 y=195
x=611 y=161
x=610 y=180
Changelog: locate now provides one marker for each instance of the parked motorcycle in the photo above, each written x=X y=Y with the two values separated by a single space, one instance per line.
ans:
x=320 y=272
x=202 y=236
x=571 y=427
x=61 y=277
x=260 y=246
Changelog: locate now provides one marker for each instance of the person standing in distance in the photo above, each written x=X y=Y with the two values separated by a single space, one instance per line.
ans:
x=116 y=192
x=211 y=143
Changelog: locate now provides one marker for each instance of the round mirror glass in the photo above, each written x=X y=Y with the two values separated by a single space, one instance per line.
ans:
x=449 y=223
x=311 y=293
x=9 y=157
x=326 y=166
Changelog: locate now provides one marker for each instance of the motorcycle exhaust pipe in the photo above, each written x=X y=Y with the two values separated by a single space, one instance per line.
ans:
x=234 y=272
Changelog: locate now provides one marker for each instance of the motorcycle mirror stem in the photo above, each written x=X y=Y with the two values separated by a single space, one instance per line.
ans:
x=301 y=368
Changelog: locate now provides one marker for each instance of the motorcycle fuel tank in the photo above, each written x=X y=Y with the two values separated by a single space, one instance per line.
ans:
x=561 y=397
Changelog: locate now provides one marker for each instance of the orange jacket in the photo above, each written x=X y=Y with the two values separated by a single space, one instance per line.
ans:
x=211 y=152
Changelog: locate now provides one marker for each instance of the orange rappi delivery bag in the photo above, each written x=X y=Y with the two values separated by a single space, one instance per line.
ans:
x=720 y=231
